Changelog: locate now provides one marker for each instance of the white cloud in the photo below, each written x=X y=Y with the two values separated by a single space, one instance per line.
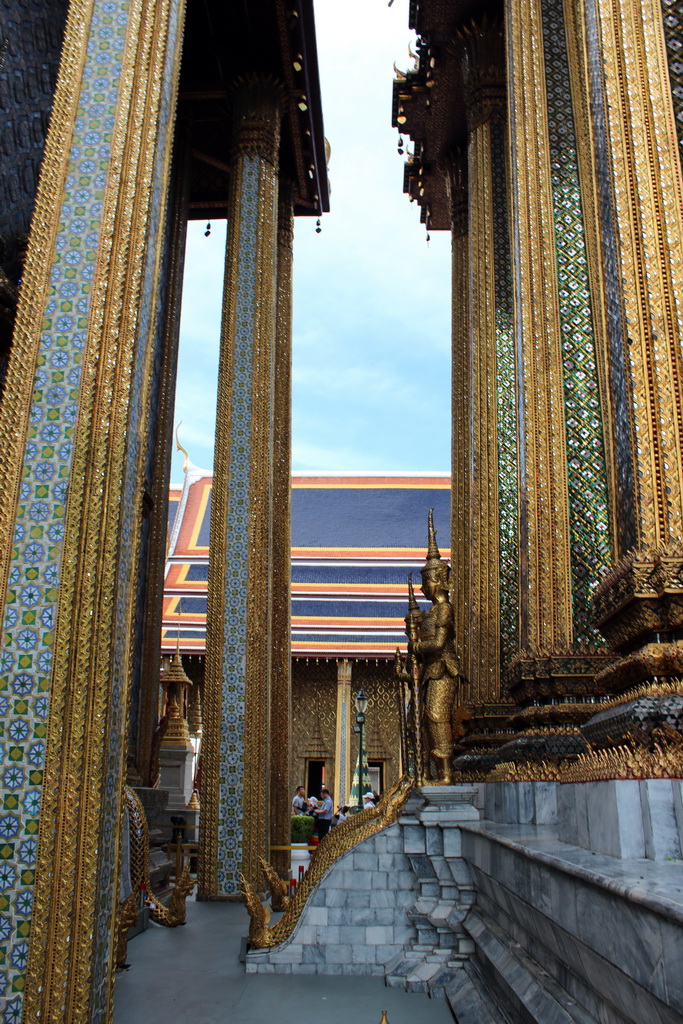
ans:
x=371 y=300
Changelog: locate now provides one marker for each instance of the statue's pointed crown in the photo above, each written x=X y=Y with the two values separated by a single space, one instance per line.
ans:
x=413 y=606
x=434 y=559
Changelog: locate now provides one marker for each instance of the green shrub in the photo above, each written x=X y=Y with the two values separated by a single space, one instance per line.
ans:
x=302 y=828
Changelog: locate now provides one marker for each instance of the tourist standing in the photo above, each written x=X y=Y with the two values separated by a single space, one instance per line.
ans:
x=324 y=813
x=299 y=801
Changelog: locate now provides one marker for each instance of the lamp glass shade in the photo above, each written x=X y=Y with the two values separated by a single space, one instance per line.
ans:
x=361 y=701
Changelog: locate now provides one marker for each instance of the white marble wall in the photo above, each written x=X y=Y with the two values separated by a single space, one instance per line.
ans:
x=621 y=818
x=539 y=912
x=525 y=803
x=571 y=934
x=403 y=891
x=355 y=921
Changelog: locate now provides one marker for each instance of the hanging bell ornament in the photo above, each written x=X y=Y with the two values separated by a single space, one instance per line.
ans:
x=318 y=229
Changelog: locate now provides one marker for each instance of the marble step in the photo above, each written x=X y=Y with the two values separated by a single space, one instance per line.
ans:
x=403 y=964
x=430 y=974
x=470 y=1001
x=539 y=998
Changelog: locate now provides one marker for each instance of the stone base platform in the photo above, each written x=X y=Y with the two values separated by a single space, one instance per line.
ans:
x=565 y=934
x=505 y=918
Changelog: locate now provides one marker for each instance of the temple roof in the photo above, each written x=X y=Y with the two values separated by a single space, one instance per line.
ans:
x=355 y=538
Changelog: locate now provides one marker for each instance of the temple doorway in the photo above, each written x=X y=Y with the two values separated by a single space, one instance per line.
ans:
x=376 y=771
x=315 y=777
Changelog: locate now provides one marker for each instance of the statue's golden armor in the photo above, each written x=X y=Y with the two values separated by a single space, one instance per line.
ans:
x=439 y=683
x=432 y=644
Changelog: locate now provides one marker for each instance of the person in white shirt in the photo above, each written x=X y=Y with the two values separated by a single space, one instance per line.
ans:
x=342 y=814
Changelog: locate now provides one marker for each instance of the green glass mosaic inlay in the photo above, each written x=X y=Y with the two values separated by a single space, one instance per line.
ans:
x=506 y=400
x=586 y=469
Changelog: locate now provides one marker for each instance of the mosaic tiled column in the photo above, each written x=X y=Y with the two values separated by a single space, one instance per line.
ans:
x=235 y=765
x=455 y=171
x=343 y=755
x=72 y=459
x=493 y=512
x=639 y=606
x=564 y=512
x=281 y=670
x=144 y=699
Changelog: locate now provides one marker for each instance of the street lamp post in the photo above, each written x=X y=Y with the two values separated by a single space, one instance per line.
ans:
x=361 y=705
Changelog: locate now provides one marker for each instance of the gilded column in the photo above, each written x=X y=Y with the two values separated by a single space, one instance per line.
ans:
x=493 y=427
x=343 y=754
x=546 y=619
x=145 y=698
x=565 y=538
x=238 y=660
x=281 y=670
x=455 y=172
x=72 y=466
x=638 y=607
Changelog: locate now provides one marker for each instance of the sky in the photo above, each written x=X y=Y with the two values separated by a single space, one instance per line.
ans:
x=371 y=322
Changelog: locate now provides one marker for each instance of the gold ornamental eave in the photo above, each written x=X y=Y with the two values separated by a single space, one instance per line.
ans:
x=432 y=113
x=429 y=102
x=279 y=42
x=298 y=42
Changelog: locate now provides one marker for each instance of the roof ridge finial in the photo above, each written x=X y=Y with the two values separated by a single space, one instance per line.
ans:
x=181 y=449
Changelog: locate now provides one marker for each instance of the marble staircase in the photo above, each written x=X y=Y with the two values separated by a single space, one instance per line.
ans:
x=476 y=896
x=444 y=892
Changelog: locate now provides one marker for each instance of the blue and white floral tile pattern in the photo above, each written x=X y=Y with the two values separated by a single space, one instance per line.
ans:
x=28 y=629
x=231 y=770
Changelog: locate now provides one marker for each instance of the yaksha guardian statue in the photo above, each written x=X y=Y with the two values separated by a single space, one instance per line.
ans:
x=432 y=647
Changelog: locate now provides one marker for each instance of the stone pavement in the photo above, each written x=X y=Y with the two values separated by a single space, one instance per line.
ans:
x=193 y=974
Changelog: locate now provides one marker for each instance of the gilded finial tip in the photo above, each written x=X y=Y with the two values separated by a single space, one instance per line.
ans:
x=181 y=449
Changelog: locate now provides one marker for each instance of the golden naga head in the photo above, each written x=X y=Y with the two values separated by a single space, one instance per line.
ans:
x=435 y=569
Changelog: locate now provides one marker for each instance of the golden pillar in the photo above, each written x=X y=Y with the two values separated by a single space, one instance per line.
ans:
x=638 y=606
x=281 y=531
x=546 y=610
x=489 y=326
x=455 y=171
x=236 y=781
x=343 y=755
x=155 y=500
x=564 y=527
x=75 y=431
